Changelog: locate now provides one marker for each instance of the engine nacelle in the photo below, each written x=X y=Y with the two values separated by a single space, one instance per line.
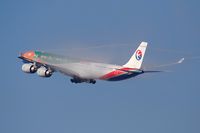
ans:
x=29 y=68
x=44 y=72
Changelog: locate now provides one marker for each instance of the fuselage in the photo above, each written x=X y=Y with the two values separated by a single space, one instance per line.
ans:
x=80 y=68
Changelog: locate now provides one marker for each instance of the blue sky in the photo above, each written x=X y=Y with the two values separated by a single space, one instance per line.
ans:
x=164 y=102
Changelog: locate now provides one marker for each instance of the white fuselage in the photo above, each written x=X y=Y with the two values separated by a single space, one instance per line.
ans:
x=82 y=71
x=86 y=70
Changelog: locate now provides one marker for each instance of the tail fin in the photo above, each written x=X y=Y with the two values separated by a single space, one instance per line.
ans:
x=137 y=58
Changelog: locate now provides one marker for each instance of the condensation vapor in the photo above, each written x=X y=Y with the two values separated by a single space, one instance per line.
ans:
x=104 y=53
x=118 y=53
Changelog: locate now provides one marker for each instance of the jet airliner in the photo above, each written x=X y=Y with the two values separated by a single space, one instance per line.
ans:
x=45 y=64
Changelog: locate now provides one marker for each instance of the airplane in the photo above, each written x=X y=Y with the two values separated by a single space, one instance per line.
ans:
x=45 y=64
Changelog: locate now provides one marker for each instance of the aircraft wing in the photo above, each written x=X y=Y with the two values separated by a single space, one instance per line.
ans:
x=149 y=69
x=169 y=64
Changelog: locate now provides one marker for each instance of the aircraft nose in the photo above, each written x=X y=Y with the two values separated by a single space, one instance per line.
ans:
x=28 y=55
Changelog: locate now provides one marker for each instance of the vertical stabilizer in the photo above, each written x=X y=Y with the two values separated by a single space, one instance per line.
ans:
x=137 y=58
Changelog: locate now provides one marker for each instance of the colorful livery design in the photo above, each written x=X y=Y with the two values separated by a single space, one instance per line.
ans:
x=45 y=64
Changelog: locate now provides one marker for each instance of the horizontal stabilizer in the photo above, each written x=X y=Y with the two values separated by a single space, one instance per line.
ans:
x=152 y=71
x=158 y=71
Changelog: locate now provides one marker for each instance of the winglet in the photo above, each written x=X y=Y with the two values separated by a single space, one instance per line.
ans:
x=181 y=60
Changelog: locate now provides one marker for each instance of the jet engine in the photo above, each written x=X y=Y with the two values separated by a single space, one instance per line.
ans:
x=29 y=68
x=44 y=72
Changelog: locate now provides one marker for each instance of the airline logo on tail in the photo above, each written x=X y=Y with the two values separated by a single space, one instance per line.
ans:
x=138 y=55
x=137 y=58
